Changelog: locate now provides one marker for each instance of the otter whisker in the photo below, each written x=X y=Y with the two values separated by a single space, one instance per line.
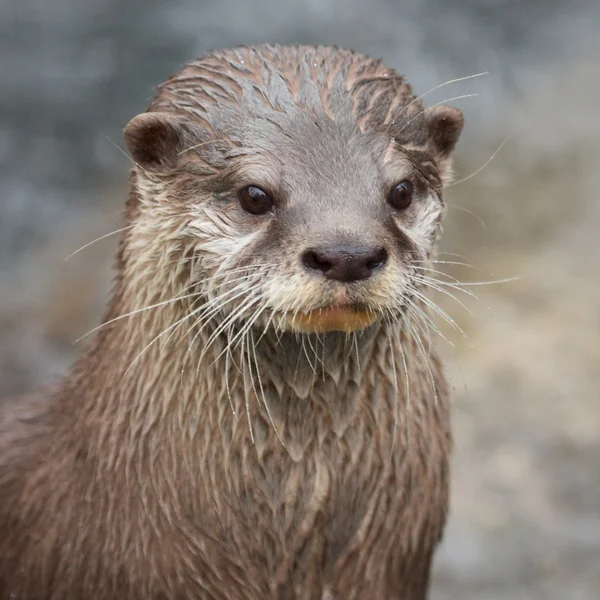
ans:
x=229 y=320
x=102 y=237
x=420 y=329
x=243 y=285
x=466 y=284
x=212 y=302
x=280 y=333
x=314 y=350
x=420 y=276
x=442 y=291
x=411 y=307
x=483 y=166
x=389 y=323
x=470 y=212
x=441 y=312
x=223 y=272
x=299 y=338
x=437 y=87
x=312 y=367
x=262 y=391
x=425 y=280
x=322 y=356
x=429 y=261
x=462 y=256
x=347 y=349
x=433 y=106
x=396 y=395
x=297 y=310
x=413 y=333
x=247 y=326
x=209 y=310
x=421 y=324
x=251 y=300
x=228 y=359
x=243 y=278
x=139 y=310
x=315 y=366
x=246 y=395
x=407 y=388
x=274 y=312
x=156 y=338
x=270 y=321
x=496 y=281
x=355 y=343
x=422 y=269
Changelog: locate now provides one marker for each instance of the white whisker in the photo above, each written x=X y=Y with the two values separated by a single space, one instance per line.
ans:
x=437 y=87
x=396 y=395
x=102 y=237
x=445 y=292
x=262 y=391
x=470 y=212
x=483 y=166
x=407 y=389
x=155 y=339
x=433 y=106
x=441 y=312
x=246 y=394
x=139 y=310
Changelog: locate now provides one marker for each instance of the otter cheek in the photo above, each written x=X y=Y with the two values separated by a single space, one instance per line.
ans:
x=331 y=319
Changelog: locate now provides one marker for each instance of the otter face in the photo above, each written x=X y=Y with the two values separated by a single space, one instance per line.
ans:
x=306 y=183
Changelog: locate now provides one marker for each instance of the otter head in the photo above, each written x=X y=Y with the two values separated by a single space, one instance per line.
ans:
x=301 y=186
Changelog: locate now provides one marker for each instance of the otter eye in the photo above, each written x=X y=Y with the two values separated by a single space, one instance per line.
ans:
x=401 y=195
x=255 y=201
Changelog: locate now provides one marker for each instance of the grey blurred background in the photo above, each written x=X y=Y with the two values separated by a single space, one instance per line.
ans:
x=525 y=520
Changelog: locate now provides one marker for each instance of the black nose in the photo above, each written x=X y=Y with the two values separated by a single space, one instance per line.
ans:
x=345 y=263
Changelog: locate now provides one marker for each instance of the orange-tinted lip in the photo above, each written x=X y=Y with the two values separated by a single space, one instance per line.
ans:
x=333 y=318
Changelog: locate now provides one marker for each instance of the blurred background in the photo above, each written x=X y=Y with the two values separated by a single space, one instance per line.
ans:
x=525 y=520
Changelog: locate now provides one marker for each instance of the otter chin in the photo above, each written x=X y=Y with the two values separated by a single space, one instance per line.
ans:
x=332 y=318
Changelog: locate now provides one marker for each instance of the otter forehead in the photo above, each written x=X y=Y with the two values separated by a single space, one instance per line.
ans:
x=262 y=81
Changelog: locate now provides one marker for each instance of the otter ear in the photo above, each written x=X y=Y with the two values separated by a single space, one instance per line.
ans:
x=444 y=125
x=156 y=139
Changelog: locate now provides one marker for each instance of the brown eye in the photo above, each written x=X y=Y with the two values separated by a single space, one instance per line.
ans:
x=401 y=195
x=255 y=201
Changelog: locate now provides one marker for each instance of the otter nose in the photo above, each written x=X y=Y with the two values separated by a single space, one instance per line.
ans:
x=345 y=263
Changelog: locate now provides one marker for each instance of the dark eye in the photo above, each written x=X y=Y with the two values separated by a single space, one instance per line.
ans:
x=255 y=201
x=401 y=195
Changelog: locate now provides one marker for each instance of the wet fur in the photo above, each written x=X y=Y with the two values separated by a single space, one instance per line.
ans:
x=290 y=466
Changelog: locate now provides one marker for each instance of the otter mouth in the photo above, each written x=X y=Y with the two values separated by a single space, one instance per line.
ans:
x=333 y=318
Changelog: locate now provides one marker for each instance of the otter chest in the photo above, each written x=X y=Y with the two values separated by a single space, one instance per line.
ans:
x=338 y=524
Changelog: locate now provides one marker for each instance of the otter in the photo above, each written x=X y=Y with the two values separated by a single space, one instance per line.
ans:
x=259 y=415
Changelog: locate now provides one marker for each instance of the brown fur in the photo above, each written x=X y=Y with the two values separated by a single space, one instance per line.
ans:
x=140 y=476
